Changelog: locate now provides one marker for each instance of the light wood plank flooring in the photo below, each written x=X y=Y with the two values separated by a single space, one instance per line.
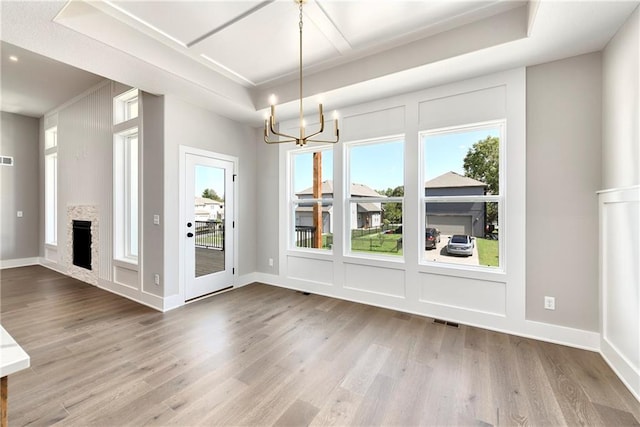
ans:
x=261 y=355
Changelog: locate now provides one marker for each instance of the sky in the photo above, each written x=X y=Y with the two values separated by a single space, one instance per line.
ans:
x=380 y=166
x=209 y=177
x=445 y=152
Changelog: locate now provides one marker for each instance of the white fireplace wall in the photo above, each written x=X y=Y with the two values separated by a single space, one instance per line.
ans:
x=85 y=152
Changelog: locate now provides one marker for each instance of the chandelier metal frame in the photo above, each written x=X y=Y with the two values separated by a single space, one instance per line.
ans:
x=302 y=139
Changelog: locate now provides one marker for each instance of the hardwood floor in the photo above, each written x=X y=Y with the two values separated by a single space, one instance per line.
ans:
x=261 y=355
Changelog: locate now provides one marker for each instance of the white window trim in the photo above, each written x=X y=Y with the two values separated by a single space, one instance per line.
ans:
x=293 y=202
x=120 y=104
x=498 y=198
x=51 y=151
x=347 y=146
x=121 y=202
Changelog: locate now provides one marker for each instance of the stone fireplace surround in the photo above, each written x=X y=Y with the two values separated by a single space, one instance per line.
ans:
x=82 y=213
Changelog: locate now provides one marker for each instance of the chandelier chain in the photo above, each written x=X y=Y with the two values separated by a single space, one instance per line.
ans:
x=302 y=138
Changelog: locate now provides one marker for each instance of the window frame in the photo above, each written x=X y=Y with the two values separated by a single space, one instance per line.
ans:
x=122 y=104
x=51 y=186
x=293 y=202
x=348 y=199
x=123 y=174
x=500 y=198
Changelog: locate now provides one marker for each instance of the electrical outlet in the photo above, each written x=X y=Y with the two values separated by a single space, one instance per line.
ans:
x=270 y=262
x=19 y=214
x=549 y=303
x=156 y=279
x=156 y=219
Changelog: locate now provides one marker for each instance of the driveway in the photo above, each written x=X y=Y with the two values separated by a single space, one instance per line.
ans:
x=439 y=254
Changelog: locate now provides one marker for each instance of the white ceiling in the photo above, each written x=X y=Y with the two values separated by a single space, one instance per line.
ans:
x=229 y=56
x=27 y=87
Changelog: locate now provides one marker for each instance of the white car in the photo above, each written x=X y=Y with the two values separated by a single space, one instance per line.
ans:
x=460 y=244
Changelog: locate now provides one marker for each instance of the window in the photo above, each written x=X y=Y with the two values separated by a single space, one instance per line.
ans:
x=375 y=195
x=51 y=186
x=312 y=205
x=126 y=194
x=125 y=106
x=462 y=174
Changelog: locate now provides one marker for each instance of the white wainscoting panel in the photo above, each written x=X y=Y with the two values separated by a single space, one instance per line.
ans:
x=51 y=254
x=376 y=280
x=125 y=276
x=471 y=294
x=373 y=124
x=470 y=107
x=620 y=282
x=310 y=270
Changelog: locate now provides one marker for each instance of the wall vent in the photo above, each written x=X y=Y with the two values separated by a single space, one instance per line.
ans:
x=6 y=161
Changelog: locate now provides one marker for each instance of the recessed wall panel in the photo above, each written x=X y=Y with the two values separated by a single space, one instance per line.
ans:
x=472 y=294
x=374 y=124
x=309 y=269
x=464 y=108
x=375 y=280
x=621 y=278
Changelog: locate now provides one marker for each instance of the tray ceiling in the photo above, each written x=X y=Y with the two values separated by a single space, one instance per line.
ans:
x=256 y=42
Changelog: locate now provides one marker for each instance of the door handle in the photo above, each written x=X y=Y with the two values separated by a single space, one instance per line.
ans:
x=189 y=234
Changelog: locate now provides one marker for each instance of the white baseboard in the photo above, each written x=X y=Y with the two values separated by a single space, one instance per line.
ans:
x=18 y=262
x=586 y=340
x=246 y=279
x=629 y=375
x=172 y=302
x=141 y=297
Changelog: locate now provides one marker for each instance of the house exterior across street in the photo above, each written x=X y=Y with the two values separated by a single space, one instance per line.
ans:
x=363 y=215
x=456 y=217
x=208 y=209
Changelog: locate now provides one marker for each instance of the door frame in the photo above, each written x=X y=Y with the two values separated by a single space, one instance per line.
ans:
x=182 y=169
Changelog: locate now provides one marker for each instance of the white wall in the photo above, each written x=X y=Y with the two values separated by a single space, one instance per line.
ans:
x=620 y=204
x=491 y=299
x=563 y=173
x=188 y=125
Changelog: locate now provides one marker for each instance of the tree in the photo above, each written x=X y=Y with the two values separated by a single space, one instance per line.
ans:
x=210 y=193
x=482 y=163
x=393 y=211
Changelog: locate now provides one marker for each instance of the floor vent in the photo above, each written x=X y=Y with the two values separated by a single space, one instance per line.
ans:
x=446 y=322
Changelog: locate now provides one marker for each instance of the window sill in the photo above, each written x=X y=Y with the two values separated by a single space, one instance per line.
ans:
x=126 y=263
x=468 y=272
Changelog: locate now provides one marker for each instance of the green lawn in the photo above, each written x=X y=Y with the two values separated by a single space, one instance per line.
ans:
x=378 y=243
x=488 y=252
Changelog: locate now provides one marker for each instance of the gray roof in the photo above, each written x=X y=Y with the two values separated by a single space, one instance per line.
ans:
x=369 y=207
x=453 y=180
x=357 y=190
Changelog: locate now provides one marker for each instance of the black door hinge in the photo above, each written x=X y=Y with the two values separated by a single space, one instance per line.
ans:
x=234 y=177
x=233 y=271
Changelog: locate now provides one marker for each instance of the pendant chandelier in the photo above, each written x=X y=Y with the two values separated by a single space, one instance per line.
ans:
x=302 y=139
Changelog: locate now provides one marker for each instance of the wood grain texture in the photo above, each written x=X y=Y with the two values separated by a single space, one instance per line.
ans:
x=262 y=355
x=4 y=382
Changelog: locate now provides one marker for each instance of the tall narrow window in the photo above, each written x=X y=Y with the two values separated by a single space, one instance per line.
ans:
x=51 y=186
x=311 y=199
x=126 y=194
x=125 y=106
x=461 y=199
x=375 y=196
